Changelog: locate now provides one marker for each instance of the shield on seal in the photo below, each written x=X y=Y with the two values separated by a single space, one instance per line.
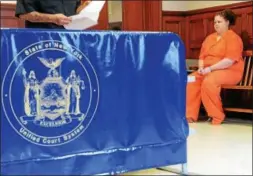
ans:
x=53 y=97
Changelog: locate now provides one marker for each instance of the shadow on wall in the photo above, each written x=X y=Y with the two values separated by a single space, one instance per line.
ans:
x=116 y=28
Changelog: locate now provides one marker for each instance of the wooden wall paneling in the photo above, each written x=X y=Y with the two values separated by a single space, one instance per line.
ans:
x=210 y=23
x=133 y=15
x=142 y=15
x=197 y=29
x=177 y=22
x=239 y=20
x=7 y=22
x=152 y=15
x=249 y=24
x=8 y=19
x=200 y=23
x=247 y=29
x=187 y=35
x=174 y=24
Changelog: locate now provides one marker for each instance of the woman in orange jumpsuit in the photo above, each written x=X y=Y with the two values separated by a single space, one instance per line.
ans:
x=220 y=63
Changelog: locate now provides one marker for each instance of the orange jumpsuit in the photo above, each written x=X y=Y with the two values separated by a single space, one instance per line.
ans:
x=207 y=87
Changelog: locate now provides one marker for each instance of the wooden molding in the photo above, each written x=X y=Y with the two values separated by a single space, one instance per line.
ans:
x=8 y=18
x=7 y=9
x=10 y=6
x=174 y=13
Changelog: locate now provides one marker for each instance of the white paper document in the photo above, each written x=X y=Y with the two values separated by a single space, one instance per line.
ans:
x=191 y=79
x=87 y=18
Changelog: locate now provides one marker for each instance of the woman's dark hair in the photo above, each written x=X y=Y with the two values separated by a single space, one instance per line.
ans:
x=229 y=15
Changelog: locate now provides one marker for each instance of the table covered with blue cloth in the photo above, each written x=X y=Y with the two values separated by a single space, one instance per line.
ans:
x=90 y=102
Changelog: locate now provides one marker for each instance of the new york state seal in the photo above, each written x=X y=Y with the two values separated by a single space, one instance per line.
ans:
x=50 y=93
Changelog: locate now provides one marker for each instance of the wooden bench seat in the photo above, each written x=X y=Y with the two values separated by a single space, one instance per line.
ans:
x=246 y=82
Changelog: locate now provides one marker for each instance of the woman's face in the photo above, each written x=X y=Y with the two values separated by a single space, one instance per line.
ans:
x=220 y=24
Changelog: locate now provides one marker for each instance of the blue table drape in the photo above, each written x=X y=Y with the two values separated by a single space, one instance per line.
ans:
x=89 y=102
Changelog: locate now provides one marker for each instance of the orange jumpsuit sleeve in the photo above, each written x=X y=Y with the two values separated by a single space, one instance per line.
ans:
x=234 y=48
x=203 y=49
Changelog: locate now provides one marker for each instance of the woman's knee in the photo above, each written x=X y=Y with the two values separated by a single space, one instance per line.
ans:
x=209 y=83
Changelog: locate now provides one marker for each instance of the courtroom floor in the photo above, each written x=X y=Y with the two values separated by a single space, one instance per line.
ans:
x=215 y=150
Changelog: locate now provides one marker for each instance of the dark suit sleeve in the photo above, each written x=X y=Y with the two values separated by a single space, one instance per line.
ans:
x=25 y=6
x=78 y=3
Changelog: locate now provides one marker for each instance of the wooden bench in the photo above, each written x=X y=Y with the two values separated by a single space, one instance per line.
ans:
x=246 y=82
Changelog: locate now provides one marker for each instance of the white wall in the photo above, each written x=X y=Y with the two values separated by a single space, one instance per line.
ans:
x=174 y=5
x=115 y=11
x=178 y=5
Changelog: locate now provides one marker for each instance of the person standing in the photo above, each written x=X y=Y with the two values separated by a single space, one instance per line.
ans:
x=50 y=14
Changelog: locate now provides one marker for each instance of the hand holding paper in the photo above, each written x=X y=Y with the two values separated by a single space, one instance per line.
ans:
x=87 y=17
